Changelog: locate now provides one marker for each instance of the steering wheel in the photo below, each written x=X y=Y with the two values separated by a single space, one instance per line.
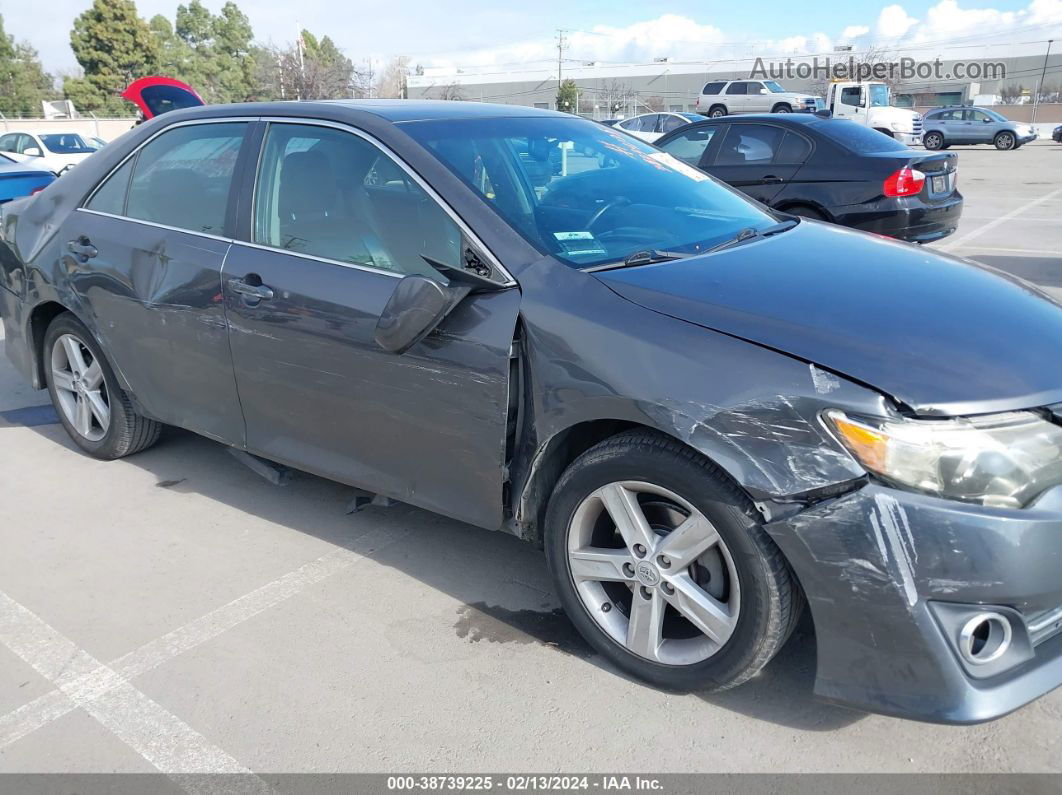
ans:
x=621 y=201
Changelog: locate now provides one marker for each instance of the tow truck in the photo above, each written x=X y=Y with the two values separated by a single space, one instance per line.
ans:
x=869 y=104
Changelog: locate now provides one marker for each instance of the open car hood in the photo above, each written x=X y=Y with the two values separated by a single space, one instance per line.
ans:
x=941 y=335
x=156 y=95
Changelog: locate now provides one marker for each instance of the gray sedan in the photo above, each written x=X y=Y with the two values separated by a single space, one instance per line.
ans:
x=711 y=416
x=965 y=125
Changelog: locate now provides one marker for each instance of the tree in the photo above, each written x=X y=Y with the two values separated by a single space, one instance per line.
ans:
x=615 y=96
x=392 y=81
x=23 y=82
x=568 y=96
x=215 y=54
x=114 y=46
x=451 y=91
x=308 y=69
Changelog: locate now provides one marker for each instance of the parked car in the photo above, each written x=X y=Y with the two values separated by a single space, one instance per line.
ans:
x=19 y=179
x=155 y=95
x=610 y=122
x=723 y=97
x=946 y=127
x=650 y=126
x=709 y=414
x=828 y=169
x=54 y=152
x=1056 y=134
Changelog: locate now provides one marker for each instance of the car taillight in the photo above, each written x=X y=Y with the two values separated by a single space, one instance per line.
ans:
x=38 y=189
x=905 y=182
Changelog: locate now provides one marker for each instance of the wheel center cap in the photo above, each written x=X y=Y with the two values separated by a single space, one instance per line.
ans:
x=647 y=573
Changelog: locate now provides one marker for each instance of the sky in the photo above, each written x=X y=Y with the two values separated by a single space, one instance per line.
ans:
x=481 y=33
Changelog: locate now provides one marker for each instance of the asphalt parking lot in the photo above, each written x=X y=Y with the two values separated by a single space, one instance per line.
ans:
x=174 y=611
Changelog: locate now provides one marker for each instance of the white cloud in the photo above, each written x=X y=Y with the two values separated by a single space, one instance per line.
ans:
x=855 y=31
x=894 y=22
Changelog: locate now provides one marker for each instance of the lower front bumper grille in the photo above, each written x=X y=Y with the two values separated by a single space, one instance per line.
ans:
x=1045 y=626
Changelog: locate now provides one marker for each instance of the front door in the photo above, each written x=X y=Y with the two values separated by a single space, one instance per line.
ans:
x=145 y=255
x=337 y=223
x=756 y=160
x=758 y=99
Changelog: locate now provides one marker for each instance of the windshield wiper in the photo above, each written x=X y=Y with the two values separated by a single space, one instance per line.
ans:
x=651 y=255
x=752 y=233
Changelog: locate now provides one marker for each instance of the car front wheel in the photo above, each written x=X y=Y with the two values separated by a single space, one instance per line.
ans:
x=1004 y=141
x=91 y=405
x=661 y=565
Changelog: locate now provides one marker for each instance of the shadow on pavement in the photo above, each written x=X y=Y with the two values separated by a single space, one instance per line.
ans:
x=501 y=581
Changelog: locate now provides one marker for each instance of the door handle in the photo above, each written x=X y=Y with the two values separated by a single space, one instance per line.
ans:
x=772 y=179
x=82 y=248
x=247 y=288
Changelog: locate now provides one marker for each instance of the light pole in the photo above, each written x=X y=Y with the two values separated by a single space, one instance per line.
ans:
x=1043 y=74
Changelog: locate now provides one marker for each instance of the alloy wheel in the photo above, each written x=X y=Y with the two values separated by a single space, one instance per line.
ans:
x=654 y=573
x=933 y=141
x=80 y=388
x=1004 y=141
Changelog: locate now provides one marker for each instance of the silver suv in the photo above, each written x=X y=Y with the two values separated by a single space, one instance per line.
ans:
x=964 y=125
x=722 y=98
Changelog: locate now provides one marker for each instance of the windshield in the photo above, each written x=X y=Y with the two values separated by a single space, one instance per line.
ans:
x=774 y=87
x=67 y=144
x=879 y=95
x=587 y=194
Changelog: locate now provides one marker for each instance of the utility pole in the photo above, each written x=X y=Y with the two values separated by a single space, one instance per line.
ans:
x=561 y=44
x=1043 y=74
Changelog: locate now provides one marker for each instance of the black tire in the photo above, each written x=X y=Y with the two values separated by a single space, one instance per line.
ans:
x=806 y=212
x=782 y=107
x=716 y=111
x=128 y=432
x=1004 y=141
x=933 y=140
x=771 y=601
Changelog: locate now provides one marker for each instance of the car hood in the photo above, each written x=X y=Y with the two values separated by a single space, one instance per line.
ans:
x=943 y=336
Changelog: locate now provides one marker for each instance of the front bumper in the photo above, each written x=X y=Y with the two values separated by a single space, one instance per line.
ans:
x=908 y=139
x=910 y=218
x=876 y=566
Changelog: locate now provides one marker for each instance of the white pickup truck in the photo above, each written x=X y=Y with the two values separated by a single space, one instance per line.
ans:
x=868 y=104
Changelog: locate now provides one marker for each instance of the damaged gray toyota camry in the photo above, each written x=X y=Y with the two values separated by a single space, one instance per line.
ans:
x=712 y=417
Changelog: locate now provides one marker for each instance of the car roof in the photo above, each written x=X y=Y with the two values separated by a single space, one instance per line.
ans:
x=775 y=118
x=393 y=110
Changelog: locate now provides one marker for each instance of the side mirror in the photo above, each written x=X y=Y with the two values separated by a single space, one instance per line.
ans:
x=764 y=91
x=824 y=113
x=417 y=306
x=33 y=151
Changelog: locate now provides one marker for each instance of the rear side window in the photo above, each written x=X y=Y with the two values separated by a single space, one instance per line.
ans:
x=182 y=178
x=794 y=150
x=712 y=88
x=689 y=145
x=110 y=196
x=749 y=144
x=857 y=138
x=738 y=88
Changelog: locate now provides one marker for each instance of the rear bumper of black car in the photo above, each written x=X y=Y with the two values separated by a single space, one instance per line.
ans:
x=909 y=218
x=892 y=578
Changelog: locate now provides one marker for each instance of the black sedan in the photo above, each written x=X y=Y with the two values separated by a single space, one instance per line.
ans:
x=1056 y=134
x=827 y=169
x=708 y=414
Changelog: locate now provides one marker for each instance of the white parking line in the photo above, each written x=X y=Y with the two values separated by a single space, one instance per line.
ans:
x=964 y=239
x=104 y=691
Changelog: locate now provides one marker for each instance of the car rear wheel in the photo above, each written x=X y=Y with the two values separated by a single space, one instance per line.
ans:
x=717 y=111
x=933 y=140
x=91 y=405
x=661 y=565
x=782 y=107
x=1004 y=140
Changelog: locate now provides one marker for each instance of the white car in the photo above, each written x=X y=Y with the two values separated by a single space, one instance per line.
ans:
x=650 y=126
x=727 y=97
x=54 y=151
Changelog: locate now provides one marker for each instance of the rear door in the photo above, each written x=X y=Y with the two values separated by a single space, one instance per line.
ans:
x=337 y=222
x=754 y=158
x=736 y=97
x=145 y=254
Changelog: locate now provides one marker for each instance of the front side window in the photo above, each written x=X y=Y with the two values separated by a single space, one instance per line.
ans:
x=749 y=144
x=671 y=122
x=66 y=144
x=850 y=96
x=755 y=88
x=183 y=177
x=609 y=196
x=689 y=146
x=331 y=194
x=738 y=88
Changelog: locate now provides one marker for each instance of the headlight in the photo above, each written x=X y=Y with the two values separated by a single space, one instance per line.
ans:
x=1003 y=459
x=897 y=125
